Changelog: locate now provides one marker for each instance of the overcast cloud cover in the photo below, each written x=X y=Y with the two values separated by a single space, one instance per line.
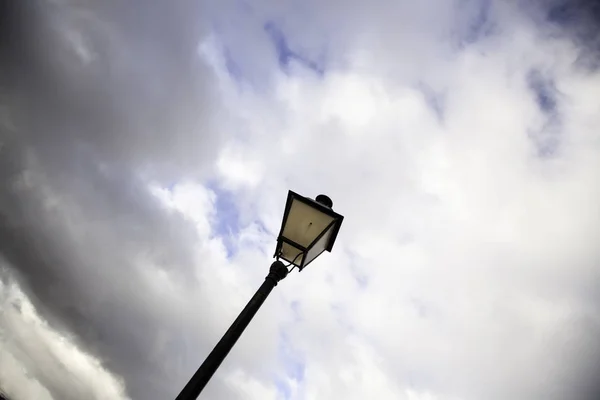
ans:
x=146 y=150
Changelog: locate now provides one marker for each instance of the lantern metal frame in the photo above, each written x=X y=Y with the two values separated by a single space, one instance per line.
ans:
x=335 y=225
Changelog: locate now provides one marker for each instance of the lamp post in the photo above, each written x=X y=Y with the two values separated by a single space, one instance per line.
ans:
x=308 y=229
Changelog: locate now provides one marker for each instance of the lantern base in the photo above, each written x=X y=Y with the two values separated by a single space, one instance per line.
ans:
x=277 y=272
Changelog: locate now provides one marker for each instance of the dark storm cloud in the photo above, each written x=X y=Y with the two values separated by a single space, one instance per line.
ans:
x=577 y=20
x=128 y=74
x=97 y=98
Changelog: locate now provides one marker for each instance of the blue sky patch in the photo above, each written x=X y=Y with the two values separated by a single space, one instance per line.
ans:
x=227 y=220
x=341 y=316
x=293 y=365
x=295 y=306
x=283 y=388
x=420 y=307
x=362 y=280
x=435 y=101
x=478 y=25
x=546 y=141
x=544 y=90
x=233 y=68
x=296 y=370
x=285 y=54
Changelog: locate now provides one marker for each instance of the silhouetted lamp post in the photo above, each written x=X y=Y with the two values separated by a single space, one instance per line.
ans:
x=309 y=228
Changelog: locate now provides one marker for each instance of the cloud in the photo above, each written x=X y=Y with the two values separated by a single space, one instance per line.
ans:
x=145 y=161
x=79 y=223
x=30 y=345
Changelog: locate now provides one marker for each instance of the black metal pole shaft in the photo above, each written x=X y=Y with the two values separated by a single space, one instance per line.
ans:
x=193 y=388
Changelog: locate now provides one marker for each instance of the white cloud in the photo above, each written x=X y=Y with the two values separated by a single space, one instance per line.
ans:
x=17 y=383
x=36 y=360
x=473 y=247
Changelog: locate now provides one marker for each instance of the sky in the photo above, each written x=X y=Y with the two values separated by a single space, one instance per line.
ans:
x=146 y=152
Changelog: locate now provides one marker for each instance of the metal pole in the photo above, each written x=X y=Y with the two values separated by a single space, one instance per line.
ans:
x=277 y=272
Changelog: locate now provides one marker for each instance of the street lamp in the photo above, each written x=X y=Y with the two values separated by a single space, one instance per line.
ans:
x=309 y=228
